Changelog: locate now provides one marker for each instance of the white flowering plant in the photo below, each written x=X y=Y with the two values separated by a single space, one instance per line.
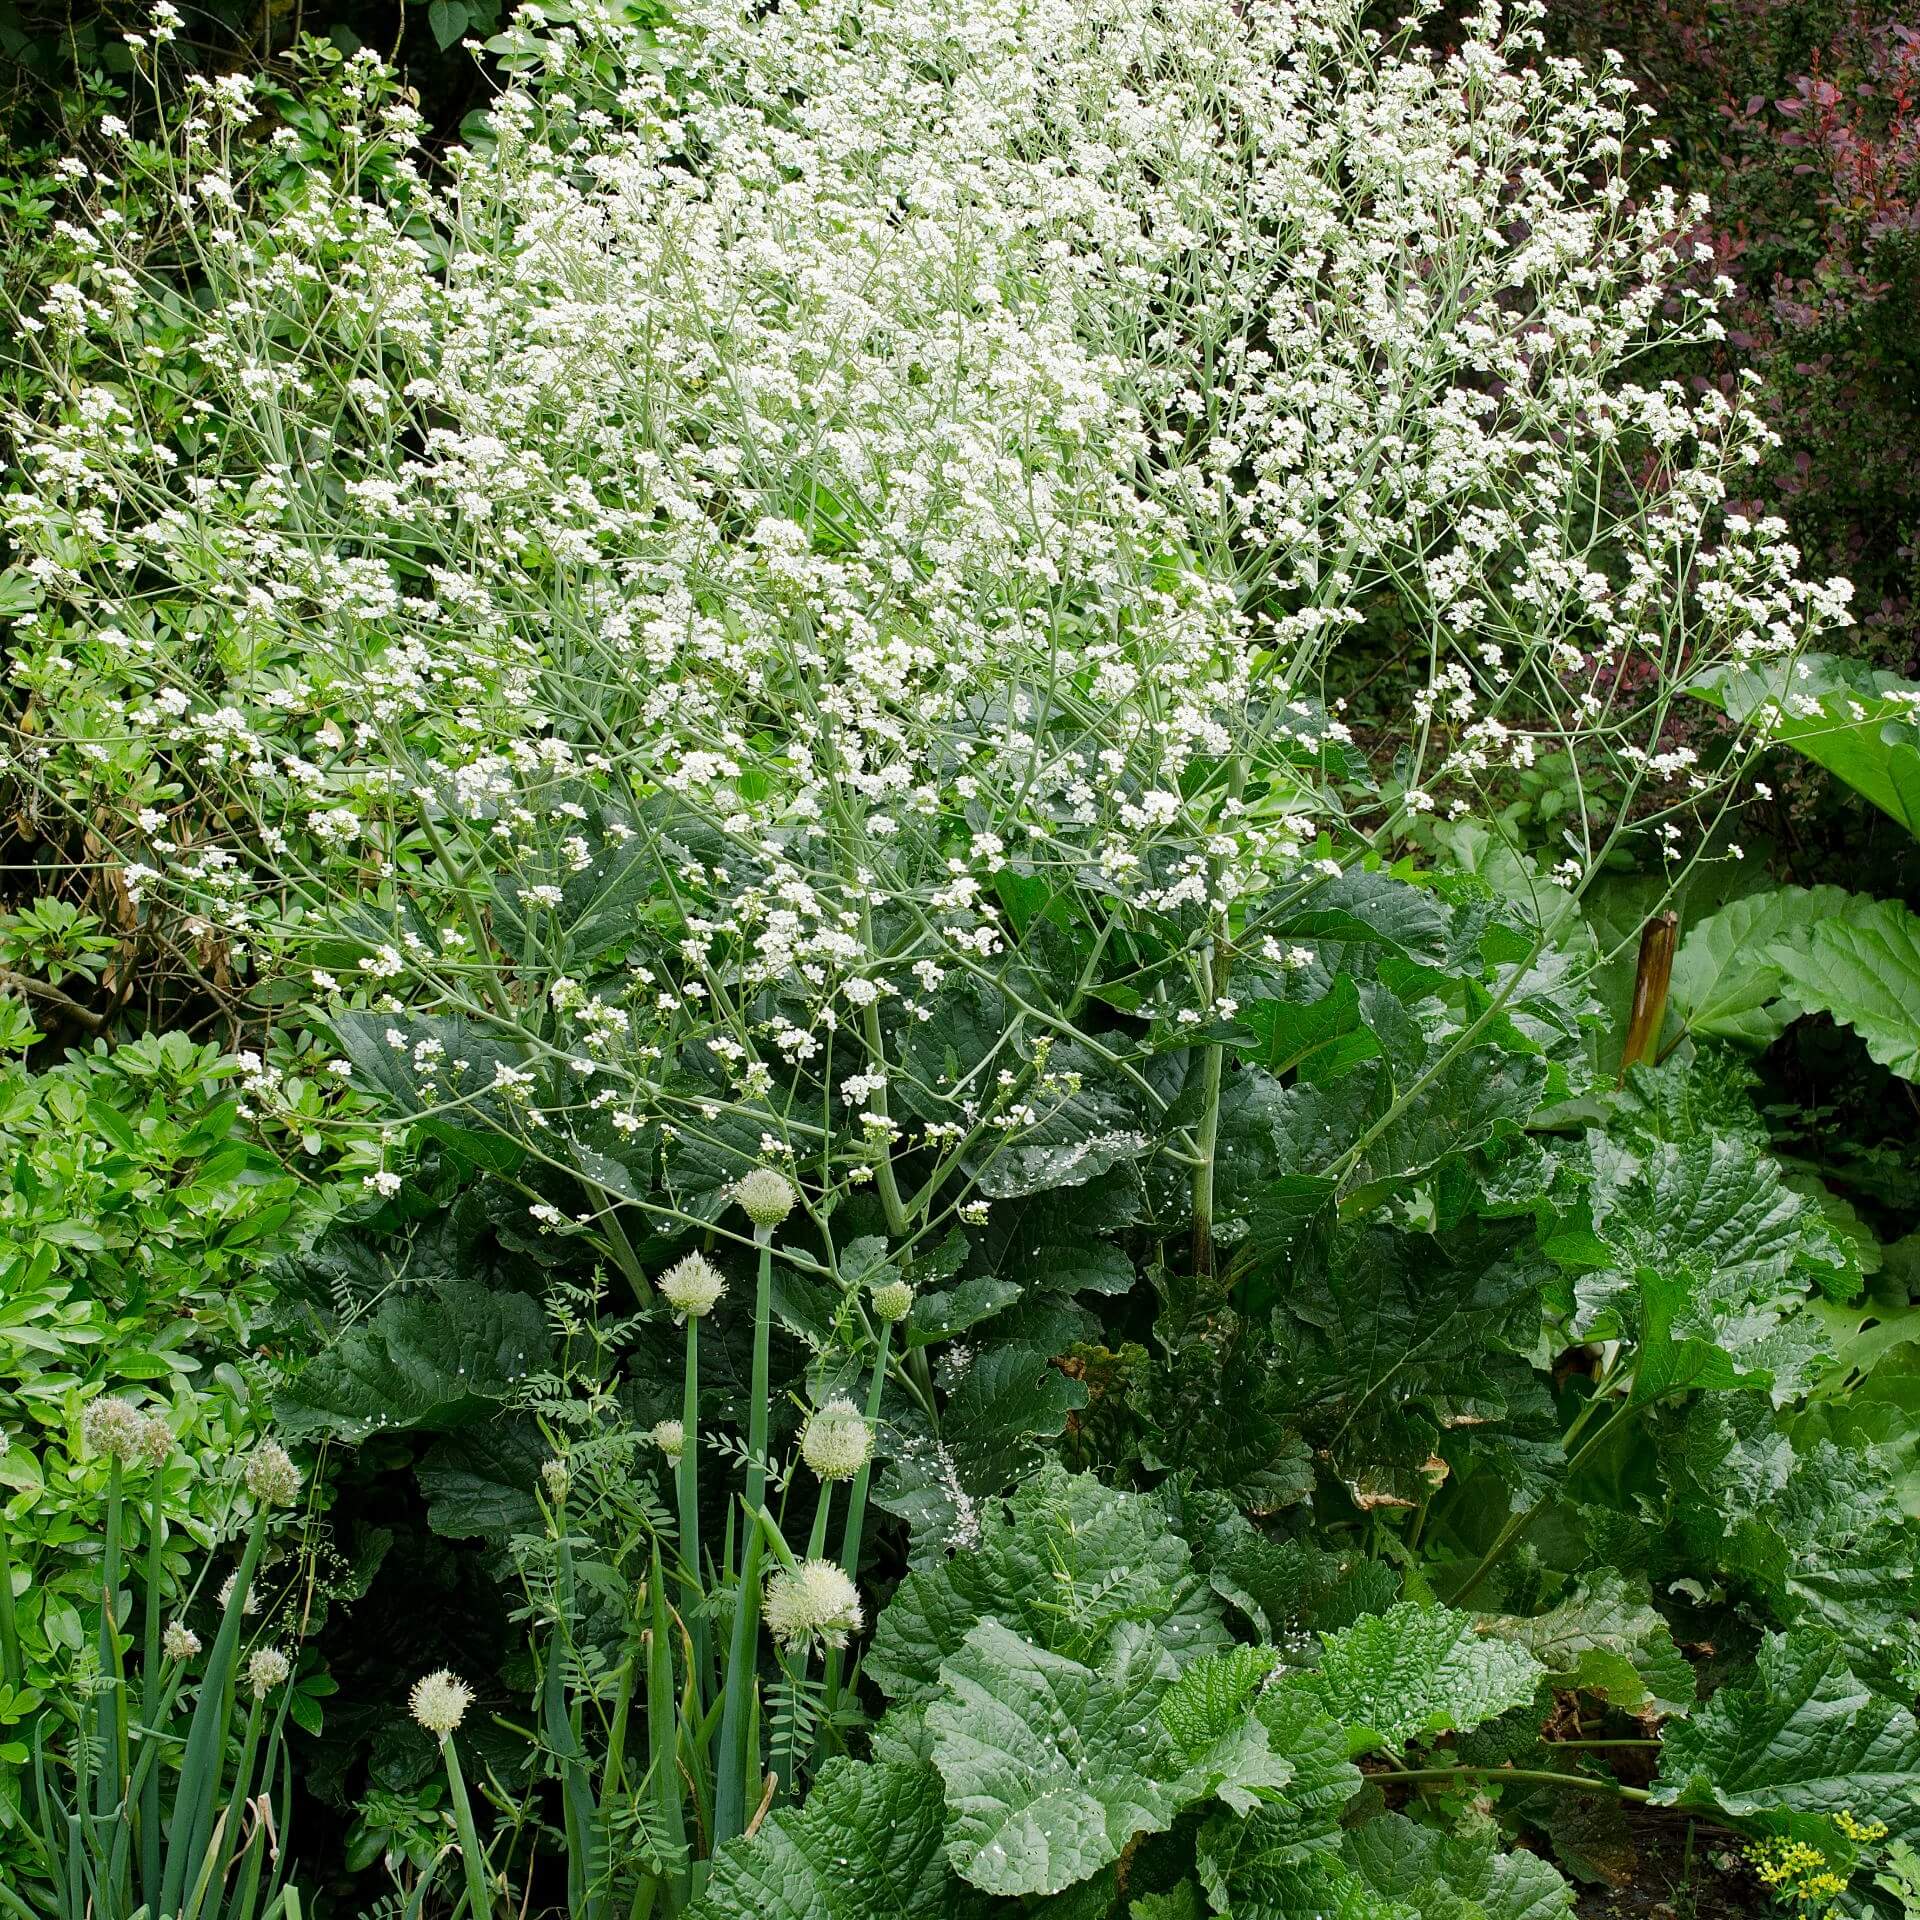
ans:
x=758 y=662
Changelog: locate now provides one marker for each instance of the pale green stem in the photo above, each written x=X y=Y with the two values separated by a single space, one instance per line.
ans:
x=687 y=1480
x=757 y=1405
x=472 y=1859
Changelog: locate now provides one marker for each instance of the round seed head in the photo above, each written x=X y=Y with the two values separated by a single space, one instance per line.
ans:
x=156 y=1441
x=692 y=1286
x=670 y=1437
x=267 y=1669
x=440 y=1701
x=837 y=1442
x=116 y=1428
x=765 y=1197
x=272 y=1478
x=893 y=1301
x=248 y=1604
x=816 y=1606
x=179 y=1641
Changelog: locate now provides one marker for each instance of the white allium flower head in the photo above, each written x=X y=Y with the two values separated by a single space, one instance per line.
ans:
x=765 y=1197
x=116 y=1428
x=692 y=1286
x=267 y=1669
x=440 y=1701
x=836 y=1442
x=248 y=1604
x=670 y=1437
x=156 y=1441
x=272 y=1478
x=179 y=1641
x=816 y=1606
x=557 y=1476
x=893 y=1301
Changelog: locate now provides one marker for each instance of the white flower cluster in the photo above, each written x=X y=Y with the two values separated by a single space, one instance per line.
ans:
x=878 y=463
x=816 y=1605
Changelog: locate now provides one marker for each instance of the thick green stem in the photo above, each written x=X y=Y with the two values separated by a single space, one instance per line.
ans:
x=1217 y=973
x=663 y=1729
x=1518 y=1524
x=730 y=1769
x=757 y=1407
x=687 y=1482
x=857 y=1500
x=817 y=1539
x=472 y=1859
x=1531 y=1776
x=113 y=1753
x=200 y=1761
x=850 y=1539
x=884 y=1177
x=150 y=1702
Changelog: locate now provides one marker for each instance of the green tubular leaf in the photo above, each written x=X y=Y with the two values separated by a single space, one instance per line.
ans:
x=1066 y=1563
x=1864 y=970
x=1416 y=1671
x=1806 y=1737
x=867 y=1845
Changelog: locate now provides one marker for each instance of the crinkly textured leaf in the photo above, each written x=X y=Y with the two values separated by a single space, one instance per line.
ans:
x=1391 y=1339
x=1066 y=1562
x=481 y=1482
x=420 y=1360
x=1238 y=1854
x=1814 y=1531
x=1222 y=1745
x=1805 y=1736
x=1864 y=970
x=867 y=1845
x=1465 y=1876
x=1714 y=1204
x=1003 y=1400
x=1389 y=1868
x=1416 y=1671
x=1050 y=1767
x=1608 y=1640
x=1283 y=1586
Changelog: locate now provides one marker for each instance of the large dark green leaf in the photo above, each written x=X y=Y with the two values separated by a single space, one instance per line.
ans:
x=1805 y=1737
x=429 y=1360
x=1608 y=1640
x=868 y=1844
x=1389 y=1340
x=1066 y=1563
x=1416 y=1671
x=1842 y=714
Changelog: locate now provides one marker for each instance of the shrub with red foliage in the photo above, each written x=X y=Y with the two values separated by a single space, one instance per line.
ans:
x=1800 y=119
